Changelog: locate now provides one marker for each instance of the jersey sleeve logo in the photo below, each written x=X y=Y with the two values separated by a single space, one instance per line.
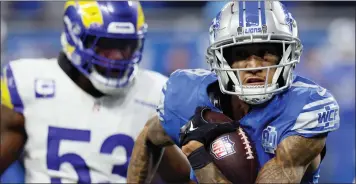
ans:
x=321 y=91
x=191 y=126
x=329 y=117
x=269 y=139
x=318 y=117
x=45 y=88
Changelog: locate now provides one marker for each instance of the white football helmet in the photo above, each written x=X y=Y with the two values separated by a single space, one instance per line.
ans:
x=247 y=22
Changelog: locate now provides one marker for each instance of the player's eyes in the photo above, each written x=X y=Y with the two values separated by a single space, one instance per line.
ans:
x=271 y=58
x=241 y=55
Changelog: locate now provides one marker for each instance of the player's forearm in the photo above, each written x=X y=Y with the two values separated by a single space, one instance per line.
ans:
x=293 y=156
x=151 y=139
x=139 y=163
x=12 y=137
x=10 y=149
x=274 y=172
x=210 y=174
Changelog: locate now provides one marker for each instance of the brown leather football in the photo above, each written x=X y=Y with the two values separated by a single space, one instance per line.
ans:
x=233 y=153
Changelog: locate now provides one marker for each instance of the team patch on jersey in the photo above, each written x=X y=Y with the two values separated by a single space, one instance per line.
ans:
x=45 y=88
x=329 y=116
x=222 y=147
x=269 y=139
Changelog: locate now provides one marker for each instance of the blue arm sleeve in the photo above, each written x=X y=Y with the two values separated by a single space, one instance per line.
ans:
x=14 y=174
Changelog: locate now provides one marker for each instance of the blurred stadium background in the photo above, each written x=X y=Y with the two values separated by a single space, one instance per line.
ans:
x=178 y=38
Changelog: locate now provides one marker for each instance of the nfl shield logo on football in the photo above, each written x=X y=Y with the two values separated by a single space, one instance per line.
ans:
x=222 y=147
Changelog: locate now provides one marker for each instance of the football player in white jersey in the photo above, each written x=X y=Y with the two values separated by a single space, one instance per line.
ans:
x=76 y=117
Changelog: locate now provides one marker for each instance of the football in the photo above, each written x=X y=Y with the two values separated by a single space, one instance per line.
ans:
x=233 y=153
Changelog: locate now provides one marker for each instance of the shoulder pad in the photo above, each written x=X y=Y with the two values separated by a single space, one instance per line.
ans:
x=183 y=92
x=313 y=108
x=17 y=80
x=9 y=90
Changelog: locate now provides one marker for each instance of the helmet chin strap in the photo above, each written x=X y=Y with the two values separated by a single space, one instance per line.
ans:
x=108 y=85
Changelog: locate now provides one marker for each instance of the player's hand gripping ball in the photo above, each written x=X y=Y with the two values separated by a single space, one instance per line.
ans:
x=226 y=144
x=200 y=127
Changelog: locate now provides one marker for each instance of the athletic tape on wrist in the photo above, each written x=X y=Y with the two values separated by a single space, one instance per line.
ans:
x=199 y=158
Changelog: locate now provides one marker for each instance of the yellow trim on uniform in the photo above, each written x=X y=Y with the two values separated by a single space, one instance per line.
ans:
x=5 y=93
x=140 y=16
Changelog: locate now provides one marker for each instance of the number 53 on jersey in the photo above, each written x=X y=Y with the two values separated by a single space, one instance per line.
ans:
x=55 y=160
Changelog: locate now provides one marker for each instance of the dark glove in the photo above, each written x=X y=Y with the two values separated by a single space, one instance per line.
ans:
x=198 y=129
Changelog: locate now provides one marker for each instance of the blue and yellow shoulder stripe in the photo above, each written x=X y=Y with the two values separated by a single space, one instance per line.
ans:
x=9 y=93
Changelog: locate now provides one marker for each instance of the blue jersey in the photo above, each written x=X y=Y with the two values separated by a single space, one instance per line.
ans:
x=305 y=109
x=14 y=174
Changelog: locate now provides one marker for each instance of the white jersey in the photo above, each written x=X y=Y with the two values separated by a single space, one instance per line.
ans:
x=73 y=137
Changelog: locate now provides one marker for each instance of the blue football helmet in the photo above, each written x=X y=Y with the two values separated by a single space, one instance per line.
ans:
x=242 y=24
x=104 y=40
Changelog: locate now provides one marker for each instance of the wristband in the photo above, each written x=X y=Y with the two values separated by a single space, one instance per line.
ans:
x=199 y=158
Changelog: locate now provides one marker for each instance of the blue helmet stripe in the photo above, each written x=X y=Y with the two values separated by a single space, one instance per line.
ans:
x=263 y=12
x=288 y=19
x=257 y=9
x=241 y=18
x=252 y=9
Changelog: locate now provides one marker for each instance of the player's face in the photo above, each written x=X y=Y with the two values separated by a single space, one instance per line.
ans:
x=254 y=56
x=117 y=50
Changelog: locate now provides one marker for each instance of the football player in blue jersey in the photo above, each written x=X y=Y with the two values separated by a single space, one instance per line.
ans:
x=254 y=47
